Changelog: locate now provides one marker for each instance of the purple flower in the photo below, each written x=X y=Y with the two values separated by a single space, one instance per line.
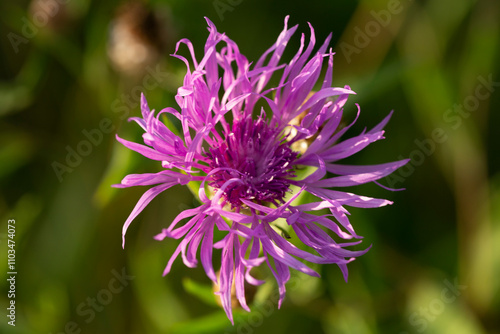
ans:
x=248 y=145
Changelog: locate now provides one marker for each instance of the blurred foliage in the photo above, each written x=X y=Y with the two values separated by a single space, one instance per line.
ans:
x=72 y=72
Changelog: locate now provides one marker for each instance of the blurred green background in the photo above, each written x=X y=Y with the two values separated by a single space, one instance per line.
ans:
x=71 y=72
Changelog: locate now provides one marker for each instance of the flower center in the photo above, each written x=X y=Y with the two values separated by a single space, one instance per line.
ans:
x=256 y=155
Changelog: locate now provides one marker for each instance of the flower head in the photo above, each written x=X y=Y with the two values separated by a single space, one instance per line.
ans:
x=245 y=160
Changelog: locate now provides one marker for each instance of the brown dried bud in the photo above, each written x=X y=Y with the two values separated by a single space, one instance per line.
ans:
x=138 y=37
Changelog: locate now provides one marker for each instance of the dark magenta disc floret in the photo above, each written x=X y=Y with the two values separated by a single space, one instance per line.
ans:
x=256 y=154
